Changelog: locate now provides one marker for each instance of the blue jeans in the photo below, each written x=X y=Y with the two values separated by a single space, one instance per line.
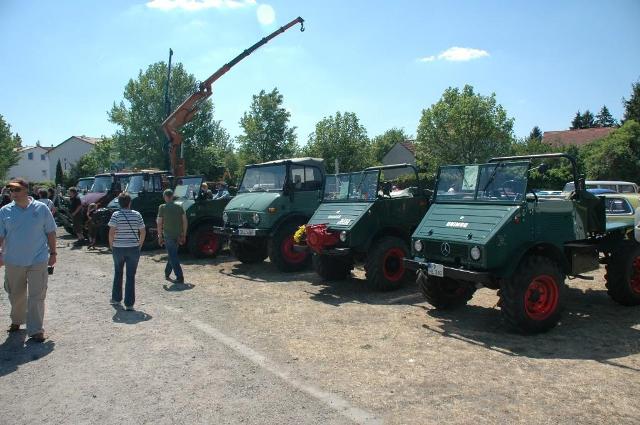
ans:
x=173 y=264
x=130 y=257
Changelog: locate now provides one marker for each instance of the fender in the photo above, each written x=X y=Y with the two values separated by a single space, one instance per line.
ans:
x=295 y=216
x=549 y=250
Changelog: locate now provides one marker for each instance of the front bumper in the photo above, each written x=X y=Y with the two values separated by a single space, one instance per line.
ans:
x=450 y=272
x=240 y=232
x=334 y=252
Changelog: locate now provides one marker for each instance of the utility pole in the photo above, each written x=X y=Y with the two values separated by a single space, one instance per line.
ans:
x=167 y=112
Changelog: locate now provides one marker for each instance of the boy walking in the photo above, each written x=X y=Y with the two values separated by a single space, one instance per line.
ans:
x=172 y=231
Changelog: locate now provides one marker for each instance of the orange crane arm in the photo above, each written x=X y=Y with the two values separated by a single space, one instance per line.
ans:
x=185 y=112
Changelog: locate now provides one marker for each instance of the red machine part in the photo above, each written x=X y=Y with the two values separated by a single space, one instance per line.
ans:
x=319 y=237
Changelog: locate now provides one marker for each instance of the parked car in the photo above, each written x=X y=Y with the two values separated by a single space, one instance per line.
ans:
x=620 y=207
x=617 y=186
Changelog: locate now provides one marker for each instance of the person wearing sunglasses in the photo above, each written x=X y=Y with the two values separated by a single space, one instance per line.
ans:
x=28 y=246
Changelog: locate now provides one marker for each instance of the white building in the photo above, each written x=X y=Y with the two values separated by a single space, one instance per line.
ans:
x=33 y=165
x=400 y=153
x=69 y=152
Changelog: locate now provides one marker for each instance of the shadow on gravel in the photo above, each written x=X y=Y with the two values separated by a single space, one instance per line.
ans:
x=130 y=317
x=593 y=327
x=354 y=290
x=178 y=287
x=14 y=351
x=265 y=272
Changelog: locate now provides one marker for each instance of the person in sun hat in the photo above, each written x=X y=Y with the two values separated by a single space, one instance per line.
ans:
x=28 y=246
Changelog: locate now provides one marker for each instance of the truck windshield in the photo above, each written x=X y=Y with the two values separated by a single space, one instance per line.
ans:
x=84 y=184
x=267 y=178
x=136 y=184
x=360 y=186
x=187 y=187
x=101 y=184
x=494 y=182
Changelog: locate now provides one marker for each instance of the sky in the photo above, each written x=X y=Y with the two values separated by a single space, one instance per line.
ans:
x=64 y=63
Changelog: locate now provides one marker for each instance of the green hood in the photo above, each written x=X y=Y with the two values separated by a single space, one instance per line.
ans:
x=257 y=202
x=455 y=222
x=340 y=215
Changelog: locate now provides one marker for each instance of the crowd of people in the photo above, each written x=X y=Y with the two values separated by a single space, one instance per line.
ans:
x=28 y=248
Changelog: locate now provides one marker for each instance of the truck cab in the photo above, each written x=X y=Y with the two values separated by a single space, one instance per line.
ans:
x=274 y=199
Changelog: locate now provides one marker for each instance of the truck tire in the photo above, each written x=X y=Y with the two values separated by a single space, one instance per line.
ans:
x=532 y=300
x=384 y=266
x=248 y=253
x=445 y=293
x=330 y=267
x=203 y=242
x=281 y=251
x=151 y=238
x=623 y=274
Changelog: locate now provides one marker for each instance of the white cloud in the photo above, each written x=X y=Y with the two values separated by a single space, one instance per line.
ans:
x=457 y=54
x=193 y=5
x=266 y=14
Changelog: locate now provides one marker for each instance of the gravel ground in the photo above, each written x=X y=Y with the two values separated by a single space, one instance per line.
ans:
x=248 y=344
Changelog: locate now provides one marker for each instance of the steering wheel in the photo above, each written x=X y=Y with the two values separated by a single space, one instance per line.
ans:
x=504 y=192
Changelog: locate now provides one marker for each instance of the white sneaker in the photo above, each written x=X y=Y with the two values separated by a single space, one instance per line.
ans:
x=114 y=302
x=129 y=308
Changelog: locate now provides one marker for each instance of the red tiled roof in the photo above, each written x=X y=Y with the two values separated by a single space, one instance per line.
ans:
x=576 y=137
x=409 y=145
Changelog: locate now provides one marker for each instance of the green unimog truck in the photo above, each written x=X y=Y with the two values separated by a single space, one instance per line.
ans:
x=145 y=188
x=486 y=227
x=202 y=215
x=274 y=199
x=367 y=217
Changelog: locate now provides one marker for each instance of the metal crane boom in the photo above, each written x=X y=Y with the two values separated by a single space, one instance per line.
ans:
x=185 y=112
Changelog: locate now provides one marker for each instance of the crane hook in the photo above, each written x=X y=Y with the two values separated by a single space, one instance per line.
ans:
x=301 y=25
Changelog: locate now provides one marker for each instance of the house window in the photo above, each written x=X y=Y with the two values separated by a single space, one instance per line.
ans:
x=44 y=173
x=30 y=155
x=43 y=157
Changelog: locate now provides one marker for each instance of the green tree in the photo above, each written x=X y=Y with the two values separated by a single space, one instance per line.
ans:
x=59 y=173
x=588 y=120
x=140 y=141
x=536 y=134
x=463 y=127
x=9 y=144
x=341 y=137
x=266 y=132
x=577 y=122
x=380 y=145
x=616 y=156
x=604 y=118
x=98 y=160
x=632 y=106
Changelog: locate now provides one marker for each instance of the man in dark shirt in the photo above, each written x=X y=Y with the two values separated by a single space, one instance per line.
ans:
x=172 y=231
x=76 y=214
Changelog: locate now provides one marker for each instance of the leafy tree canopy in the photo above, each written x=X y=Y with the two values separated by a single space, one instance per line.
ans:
x=341 y=137
x=140 y=140
x=266 y=132
x=463 y=127
x=615 y=157
x=9 y=143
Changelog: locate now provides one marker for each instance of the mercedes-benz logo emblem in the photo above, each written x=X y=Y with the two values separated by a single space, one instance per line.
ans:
x=445 y=249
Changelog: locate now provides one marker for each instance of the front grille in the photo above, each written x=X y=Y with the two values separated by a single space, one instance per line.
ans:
x=432 y=250
x=240 y=219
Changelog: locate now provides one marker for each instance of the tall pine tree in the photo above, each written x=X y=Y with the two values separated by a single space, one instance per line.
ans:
x=632 y=106
x=577 y=122
x=59 y=173
x=605 y=119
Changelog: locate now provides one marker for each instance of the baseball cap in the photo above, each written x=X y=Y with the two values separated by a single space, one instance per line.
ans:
x=18 y=183
x=167 y=192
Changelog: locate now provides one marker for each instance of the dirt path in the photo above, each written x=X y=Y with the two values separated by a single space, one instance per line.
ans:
x=247 y=344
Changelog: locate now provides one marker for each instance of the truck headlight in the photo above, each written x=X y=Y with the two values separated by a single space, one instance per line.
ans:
x=417 y=245
x=343 y=236
x=256 y=218
x=475 y=253
x=225 y=217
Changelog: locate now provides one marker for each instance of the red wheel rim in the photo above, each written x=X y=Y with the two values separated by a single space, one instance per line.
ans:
x=208 y=243
x=635 y=275
x=541 y=298
x=392 y=264
x=291 y=256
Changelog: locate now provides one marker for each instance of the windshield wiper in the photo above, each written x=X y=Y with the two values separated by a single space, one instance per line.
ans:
x=492 y=176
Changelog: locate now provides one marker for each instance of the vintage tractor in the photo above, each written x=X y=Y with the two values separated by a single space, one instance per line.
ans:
x=486 y=227
x=367 y=217
x=273 y=200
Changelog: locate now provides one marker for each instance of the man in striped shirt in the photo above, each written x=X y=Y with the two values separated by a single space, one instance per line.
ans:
x=126 y=237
